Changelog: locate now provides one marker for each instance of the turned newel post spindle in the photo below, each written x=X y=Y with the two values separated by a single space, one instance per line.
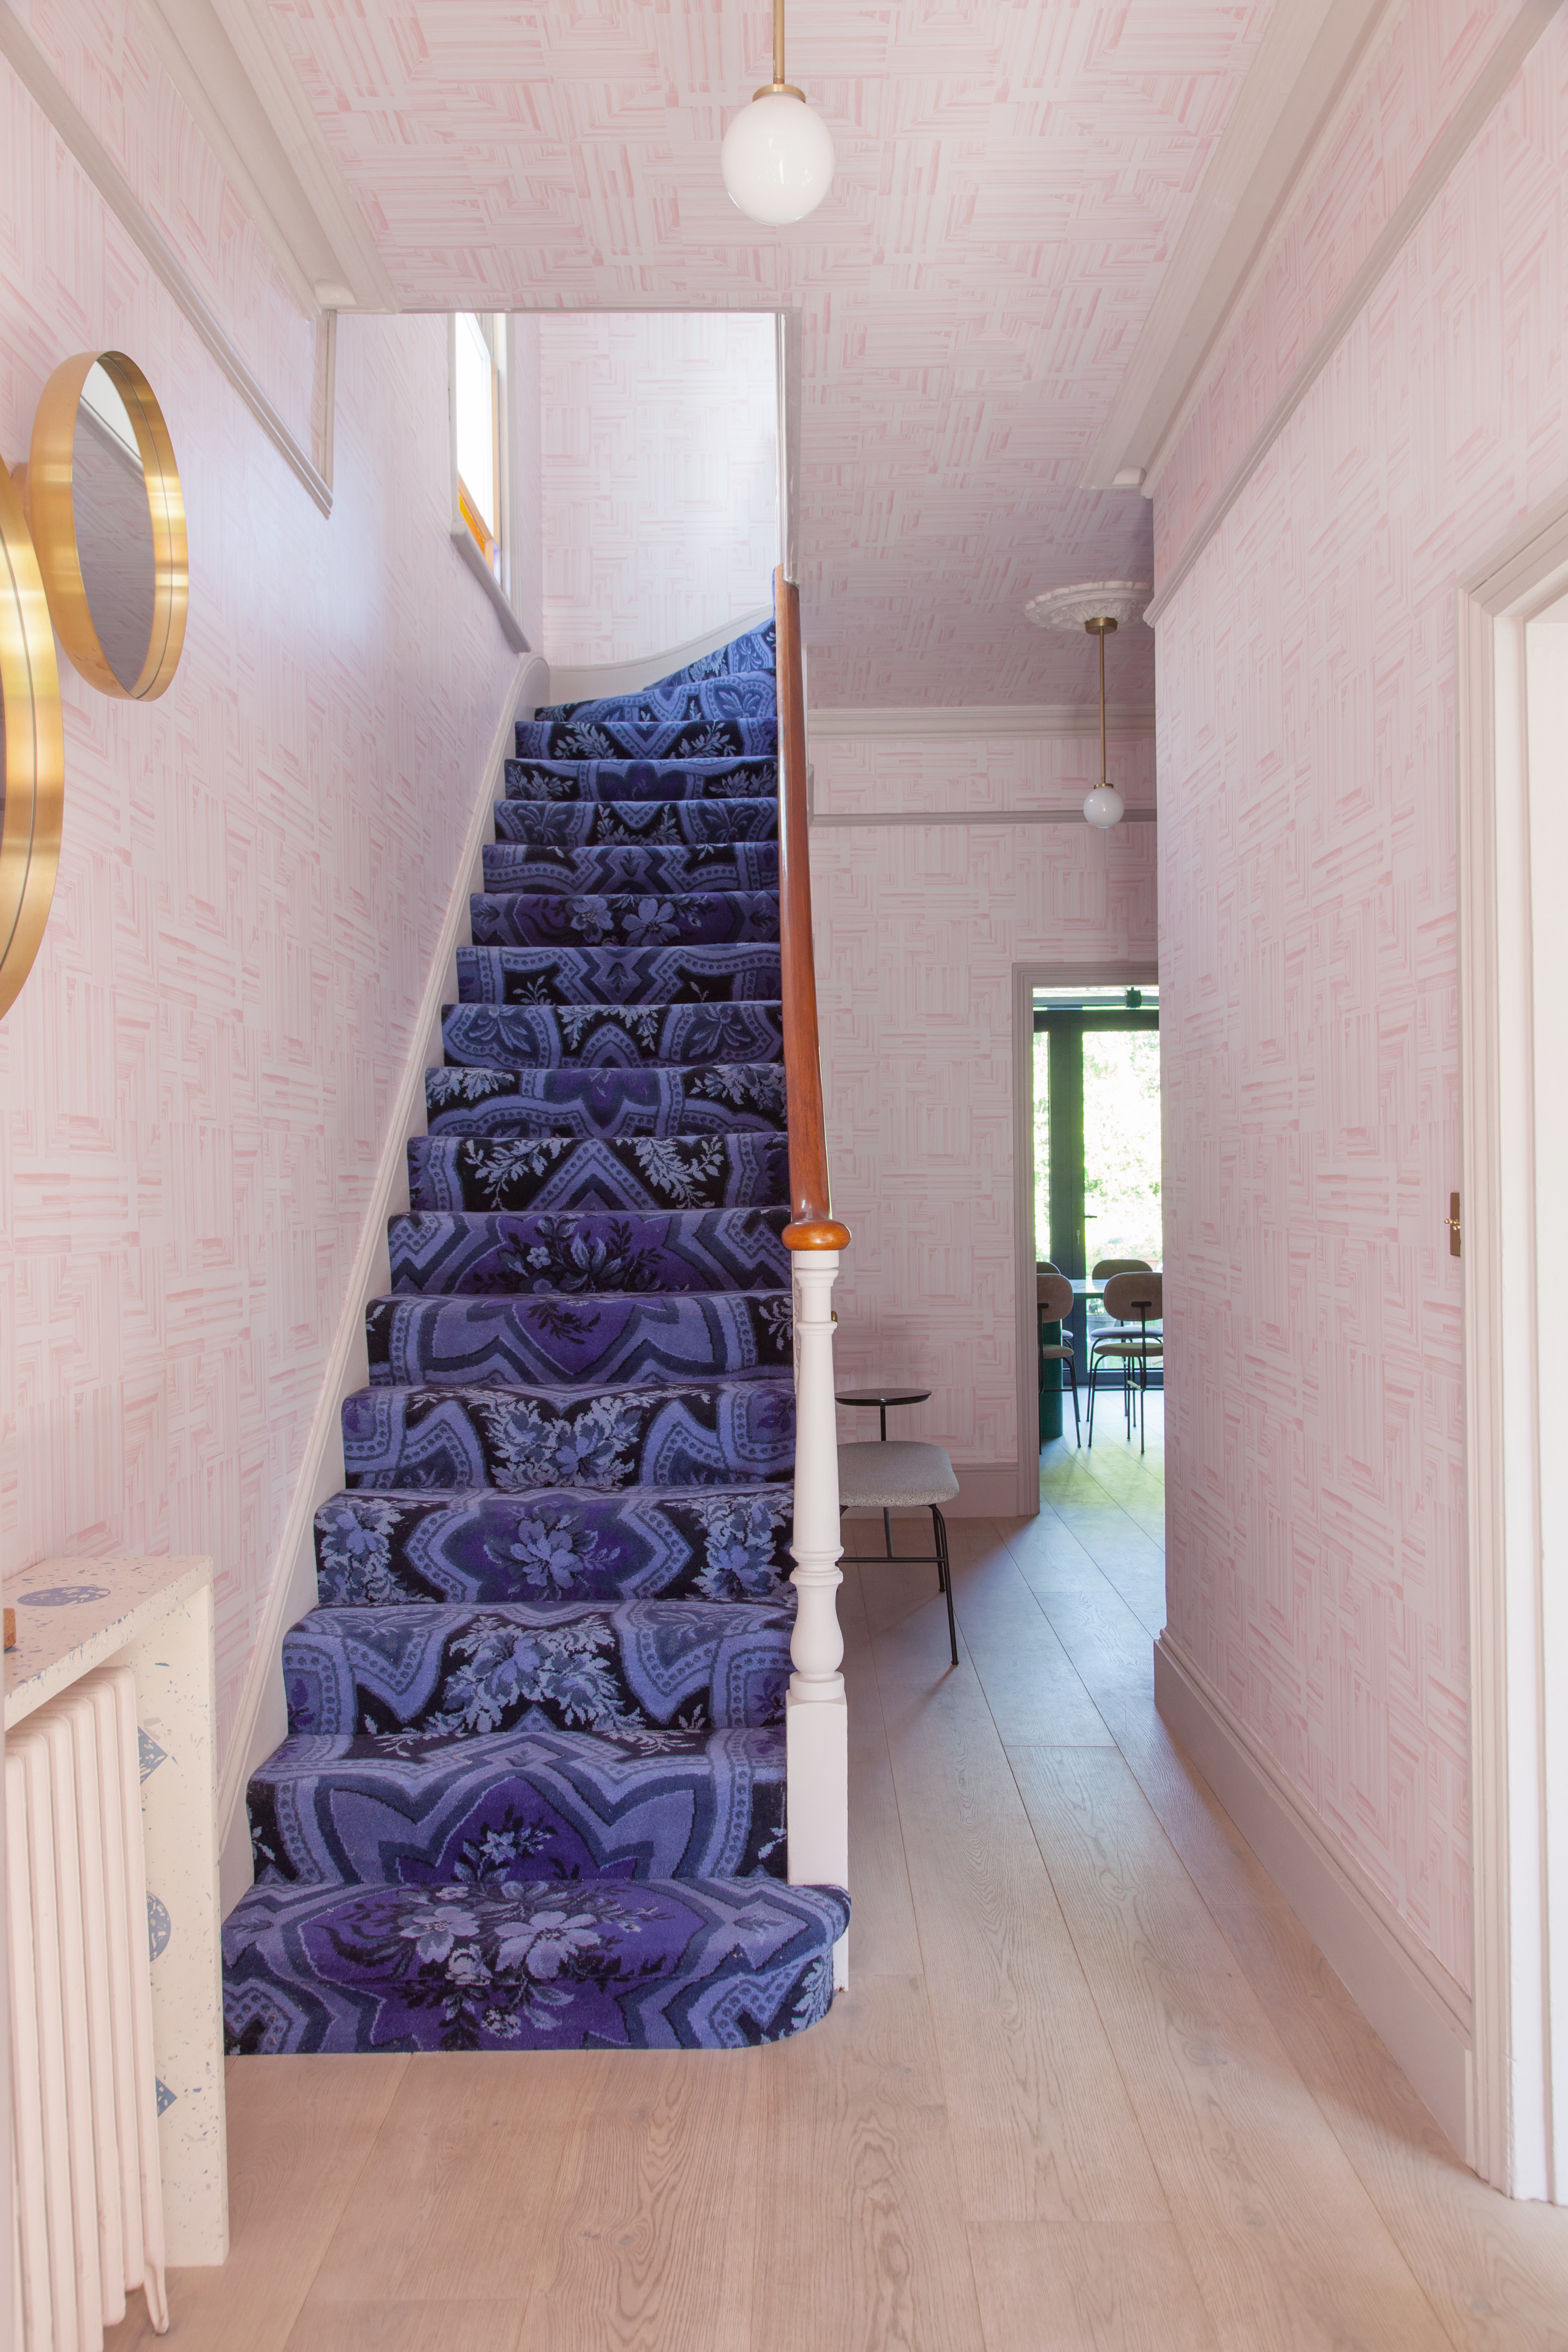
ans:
x=815 y=1718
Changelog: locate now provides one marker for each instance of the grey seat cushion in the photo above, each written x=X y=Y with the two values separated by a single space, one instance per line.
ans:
x=898 y=1472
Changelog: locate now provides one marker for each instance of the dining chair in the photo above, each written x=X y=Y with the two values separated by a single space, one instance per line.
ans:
x=1054 y=1297
x=897 y=1475
x=1109 y=1265
x=1130 y=1296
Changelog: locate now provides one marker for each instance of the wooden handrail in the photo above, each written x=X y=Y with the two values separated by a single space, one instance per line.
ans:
x=812 y=1223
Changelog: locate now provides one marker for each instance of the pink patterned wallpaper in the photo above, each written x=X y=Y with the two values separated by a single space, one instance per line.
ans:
x=1309 y=984
x=918 y=929
x=101 y=53
x=1013 y=176
x=660 y=476
x=194 y=1081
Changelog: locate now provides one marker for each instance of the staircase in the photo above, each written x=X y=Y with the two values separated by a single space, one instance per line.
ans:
x=533 y=1790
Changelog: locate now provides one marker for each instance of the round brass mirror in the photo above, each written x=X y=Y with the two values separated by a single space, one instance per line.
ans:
x=103 y=498
x=32 y=754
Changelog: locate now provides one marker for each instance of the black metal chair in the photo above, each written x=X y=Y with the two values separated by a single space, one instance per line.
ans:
x=1130 y=1296
x=1055 y=1302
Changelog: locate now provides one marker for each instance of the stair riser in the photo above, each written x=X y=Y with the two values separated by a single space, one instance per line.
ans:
x=715 y=1172
x=608 y=1037
x=532 y=868
x=707 y=1433
x=555 y=764
x=741 y=691
x=701 y=919
x=558 y=1545
x=665 y=1966
x=604 y=1104
x=469 y=1672
x=724 y=1249
x=350 y=1811
x=696 y=975
x=591 y=1342
x=567 y=825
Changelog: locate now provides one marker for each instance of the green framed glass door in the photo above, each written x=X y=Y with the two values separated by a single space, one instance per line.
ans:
x=1097 y=1144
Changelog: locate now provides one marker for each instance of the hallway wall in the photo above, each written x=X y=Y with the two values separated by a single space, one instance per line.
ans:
x=194 y=1080
x=1309 y=981
x=660 y=511
x=918 y=928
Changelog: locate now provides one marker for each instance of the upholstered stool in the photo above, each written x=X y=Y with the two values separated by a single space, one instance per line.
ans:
x=892 y=1475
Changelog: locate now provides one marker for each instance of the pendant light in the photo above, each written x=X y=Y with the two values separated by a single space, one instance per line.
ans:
x=1104 y=806
x=1100 y=607
x=778 y=156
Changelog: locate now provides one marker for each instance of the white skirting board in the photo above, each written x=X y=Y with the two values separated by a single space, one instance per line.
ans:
x=1422 y=2013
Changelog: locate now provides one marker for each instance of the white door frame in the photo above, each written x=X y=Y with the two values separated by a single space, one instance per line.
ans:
x=1102 y=972
x=1513 y=856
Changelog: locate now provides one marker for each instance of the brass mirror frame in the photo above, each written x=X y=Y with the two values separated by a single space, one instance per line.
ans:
x=34 y=749
x=48 y=493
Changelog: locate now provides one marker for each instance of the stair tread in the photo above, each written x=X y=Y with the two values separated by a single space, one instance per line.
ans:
x=641 y=823
x=697 y=1962
x=695 y=973
x=510 y=1251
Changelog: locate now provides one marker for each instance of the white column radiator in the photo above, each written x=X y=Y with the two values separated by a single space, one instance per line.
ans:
x=87 y=2193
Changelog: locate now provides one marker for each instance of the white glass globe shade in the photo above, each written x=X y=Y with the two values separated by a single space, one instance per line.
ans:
x=777 y=159
x=1105 y=806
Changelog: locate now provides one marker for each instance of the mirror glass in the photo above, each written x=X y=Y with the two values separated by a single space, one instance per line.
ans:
x=113 y=528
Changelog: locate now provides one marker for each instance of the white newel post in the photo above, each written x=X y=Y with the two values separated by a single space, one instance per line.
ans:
x=816 y=1718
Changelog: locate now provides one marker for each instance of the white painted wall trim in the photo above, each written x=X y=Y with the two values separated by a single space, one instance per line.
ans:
x=16 y=44
x=976 y=722
x=1073 y=815
x=229 y=61
x=1423 y=2014
x=1448 y=152
x=587 y=681
x=1305 y=70
x=1026 y=979
x=260 y=1720
x=1510 y=849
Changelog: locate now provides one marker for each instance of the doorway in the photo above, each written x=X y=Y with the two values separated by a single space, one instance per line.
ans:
x=1511 y=645
x=1087 y=1128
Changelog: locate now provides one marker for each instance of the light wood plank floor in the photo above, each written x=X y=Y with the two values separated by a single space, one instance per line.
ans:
x=1091 y=2087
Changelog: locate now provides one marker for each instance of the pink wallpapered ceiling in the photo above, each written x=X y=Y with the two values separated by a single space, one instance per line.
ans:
x=1012 y=178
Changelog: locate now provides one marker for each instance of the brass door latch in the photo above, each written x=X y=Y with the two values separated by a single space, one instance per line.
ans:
x=1452 y=1222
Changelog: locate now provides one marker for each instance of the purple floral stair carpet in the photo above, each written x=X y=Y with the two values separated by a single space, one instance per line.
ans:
x=532 y=1793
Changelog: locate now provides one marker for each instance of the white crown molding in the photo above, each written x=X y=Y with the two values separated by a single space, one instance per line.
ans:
x=261 y=1718
x=17 y=45
x=950 y=722
x=1446 y=152
x=1294 y=89
x=1073 y=815
x=587 y=681
x=227 y=60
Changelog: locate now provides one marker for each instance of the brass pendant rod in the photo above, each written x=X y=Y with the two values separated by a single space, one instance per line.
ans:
x=778 y=44
x=1102 y=775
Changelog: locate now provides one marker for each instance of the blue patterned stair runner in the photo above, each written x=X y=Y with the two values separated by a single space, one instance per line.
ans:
x=532 y=1794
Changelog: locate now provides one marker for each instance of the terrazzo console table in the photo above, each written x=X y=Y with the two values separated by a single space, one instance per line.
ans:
x=155 y=1616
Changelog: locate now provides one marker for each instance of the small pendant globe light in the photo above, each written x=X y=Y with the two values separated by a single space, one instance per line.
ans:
x=1100 y=605
x=778 y=156
x=1104 y=806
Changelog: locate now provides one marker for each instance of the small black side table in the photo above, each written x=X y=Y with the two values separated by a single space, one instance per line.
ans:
x=882 y=1398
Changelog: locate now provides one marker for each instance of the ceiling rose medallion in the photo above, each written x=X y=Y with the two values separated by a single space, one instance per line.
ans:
x=778 y=156
x=1101 y=606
